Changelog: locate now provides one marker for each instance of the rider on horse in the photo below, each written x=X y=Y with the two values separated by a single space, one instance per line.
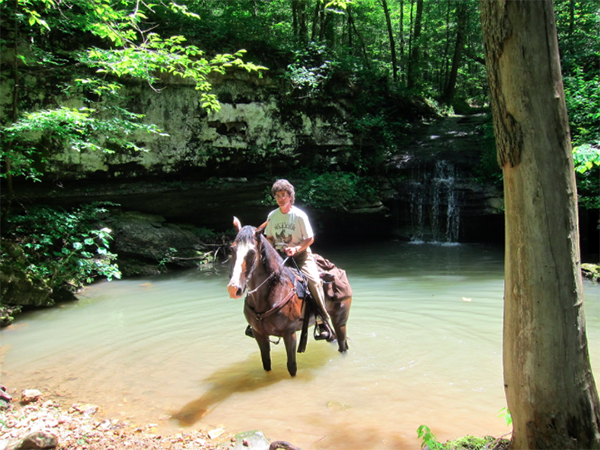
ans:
x=289 y=231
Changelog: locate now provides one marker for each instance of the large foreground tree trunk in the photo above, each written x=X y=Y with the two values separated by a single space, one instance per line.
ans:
x=549 y=385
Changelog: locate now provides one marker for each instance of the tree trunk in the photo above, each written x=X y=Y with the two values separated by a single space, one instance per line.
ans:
x=391 y=37
x=461 y=24
x=401 y=35
x=413 y=61
x=549 y=385
x=316 y=21
x=366 y=58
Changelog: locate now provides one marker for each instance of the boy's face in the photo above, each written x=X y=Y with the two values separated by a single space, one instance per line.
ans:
x=283 y=200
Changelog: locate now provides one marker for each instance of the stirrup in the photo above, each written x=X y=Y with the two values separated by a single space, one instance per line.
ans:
x=322 y=332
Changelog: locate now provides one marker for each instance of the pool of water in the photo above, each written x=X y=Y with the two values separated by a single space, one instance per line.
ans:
x=425 y=336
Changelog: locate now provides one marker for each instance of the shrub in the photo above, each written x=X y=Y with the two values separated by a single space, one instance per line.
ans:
x=62 y=249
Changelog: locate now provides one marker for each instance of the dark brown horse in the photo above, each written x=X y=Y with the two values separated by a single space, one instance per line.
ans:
x=272 y=306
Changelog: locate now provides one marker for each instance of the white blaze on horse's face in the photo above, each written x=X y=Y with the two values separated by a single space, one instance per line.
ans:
x=244 y=254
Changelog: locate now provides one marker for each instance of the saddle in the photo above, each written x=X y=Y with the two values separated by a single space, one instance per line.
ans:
x=300 y=283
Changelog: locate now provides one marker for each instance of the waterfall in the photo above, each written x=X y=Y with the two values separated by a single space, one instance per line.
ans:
x=434 y=209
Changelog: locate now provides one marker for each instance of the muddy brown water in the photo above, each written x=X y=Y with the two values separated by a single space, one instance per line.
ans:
x=425 y=348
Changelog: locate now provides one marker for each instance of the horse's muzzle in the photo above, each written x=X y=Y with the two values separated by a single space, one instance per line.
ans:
x=234 y=291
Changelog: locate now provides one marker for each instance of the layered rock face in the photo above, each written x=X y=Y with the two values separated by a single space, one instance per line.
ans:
x=251 y=129
x=214 y=165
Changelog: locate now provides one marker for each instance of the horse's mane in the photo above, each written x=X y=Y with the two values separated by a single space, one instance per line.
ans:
x=245 y=235
x=272 y=261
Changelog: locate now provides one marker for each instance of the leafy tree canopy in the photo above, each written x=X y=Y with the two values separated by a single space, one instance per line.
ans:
x=93 y=47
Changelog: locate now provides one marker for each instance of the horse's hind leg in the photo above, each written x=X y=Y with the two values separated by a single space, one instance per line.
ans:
x=265 y=349
x=290 y=348
x=339 y=318
x=340 y=332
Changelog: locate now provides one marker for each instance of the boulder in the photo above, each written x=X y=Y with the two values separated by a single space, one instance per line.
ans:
x=146 y=242
x=35 y=440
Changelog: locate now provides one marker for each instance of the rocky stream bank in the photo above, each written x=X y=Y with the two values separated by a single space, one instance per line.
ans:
x=33 y=421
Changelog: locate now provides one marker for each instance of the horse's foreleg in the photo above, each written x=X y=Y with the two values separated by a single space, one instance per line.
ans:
x=290 y=347
x=265 y=349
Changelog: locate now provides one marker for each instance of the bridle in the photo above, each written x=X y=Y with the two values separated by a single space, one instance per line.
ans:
x=280 y=303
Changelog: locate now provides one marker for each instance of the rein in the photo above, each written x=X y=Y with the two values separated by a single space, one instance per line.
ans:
x=279 y=304
x=265 y=280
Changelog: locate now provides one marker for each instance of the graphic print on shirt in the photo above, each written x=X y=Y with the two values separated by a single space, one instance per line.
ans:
x=281 y=239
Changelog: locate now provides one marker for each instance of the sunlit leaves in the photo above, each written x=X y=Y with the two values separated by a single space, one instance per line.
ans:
x=78 y=128
x=182 y=9
x=132 y=49
x=586 y=157
x=63 y=248
x=156 y=55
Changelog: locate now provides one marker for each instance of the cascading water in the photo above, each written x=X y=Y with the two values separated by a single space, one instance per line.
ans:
x=434 y=204
x=436 y=195
x=444 y=196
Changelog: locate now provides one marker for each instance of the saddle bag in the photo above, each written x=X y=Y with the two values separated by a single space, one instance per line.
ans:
x=335 y=281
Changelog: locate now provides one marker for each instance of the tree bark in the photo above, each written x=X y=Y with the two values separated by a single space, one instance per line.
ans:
x=401 y=36
x=461 y=25
x=549 y=385
x=352 y=23
x=413 y=60
x=388 y=21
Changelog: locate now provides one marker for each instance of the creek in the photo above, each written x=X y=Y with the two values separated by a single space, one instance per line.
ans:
x=425 y=333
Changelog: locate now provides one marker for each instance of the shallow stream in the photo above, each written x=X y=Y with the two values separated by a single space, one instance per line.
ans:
x=425 y=348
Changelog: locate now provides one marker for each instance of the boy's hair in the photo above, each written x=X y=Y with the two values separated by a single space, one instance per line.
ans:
x=284 y=185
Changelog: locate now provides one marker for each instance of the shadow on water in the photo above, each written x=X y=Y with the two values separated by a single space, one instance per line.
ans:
x=248 y=376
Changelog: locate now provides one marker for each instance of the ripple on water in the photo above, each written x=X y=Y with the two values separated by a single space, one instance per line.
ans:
x=425 y=348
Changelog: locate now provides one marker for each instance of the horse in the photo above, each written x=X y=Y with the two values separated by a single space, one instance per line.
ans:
x=272 y=306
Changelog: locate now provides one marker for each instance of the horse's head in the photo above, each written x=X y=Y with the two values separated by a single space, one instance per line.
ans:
x=244 y=259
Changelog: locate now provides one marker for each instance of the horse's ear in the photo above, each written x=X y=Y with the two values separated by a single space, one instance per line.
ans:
x=261 y=228
x=236 y=223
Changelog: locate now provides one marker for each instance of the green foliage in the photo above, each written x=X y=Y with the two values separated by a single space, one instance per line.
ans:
x=125 y=46
x=7 y=316
x=334 y=190
x=25 y=140
x=463 y=443
x=311 y=69
x=429 y=439
x=488 y=170
x=62 y=249
x=168 y=257
x=582 y=95
x=505 y=414
x=586 y=157
x=477 y=443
